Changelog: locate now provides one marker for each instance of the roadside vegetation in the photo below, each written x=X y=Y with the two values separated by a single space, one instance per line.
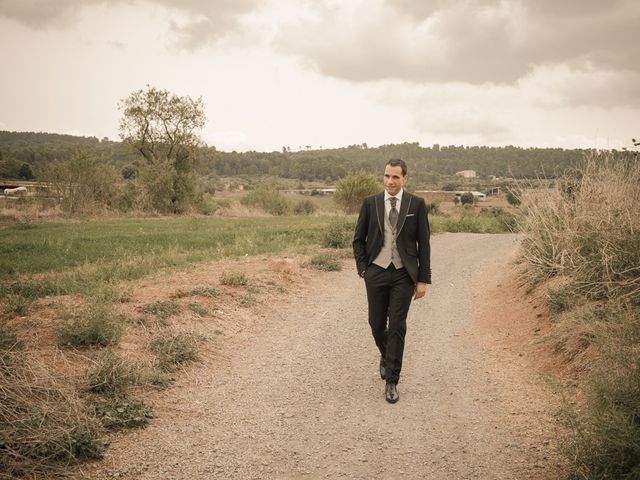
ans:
x=44 y=425
x=582 y=247
x=104 y=218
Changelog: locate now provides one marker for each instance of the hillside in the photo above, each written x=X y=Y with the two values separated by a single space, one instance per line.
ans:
x=429 y=165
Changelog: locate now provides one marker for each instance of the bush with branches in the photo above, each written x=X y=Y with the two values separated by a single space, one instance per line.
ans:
x=352 y=190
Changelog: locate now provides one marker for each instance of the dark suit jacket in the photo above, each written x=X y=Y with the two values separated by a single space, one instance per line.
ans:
x=412 y=239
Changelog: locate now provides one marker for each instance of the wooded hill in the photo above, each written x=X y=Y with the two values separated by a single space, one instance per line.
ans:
x=23 y=153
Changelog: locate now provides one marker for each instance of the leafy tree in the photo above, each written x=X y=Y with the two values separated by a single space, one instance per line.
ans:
x=25 y=172
x=352 y=189
x=163 y=128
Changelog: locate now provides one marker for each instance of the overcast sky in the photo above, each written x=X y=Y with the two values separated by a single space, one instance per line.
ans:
x=330 y=73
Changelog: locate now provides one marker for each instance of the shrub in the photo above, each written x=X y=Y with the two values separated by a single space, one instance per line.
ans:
x=605 y=428
x=98 y=325
x=433 y=208
x=162 y=309
x=174 y=349
x=326 y=262
x=304 y=207
x=467 y=198
x=129 y=171
x=514 y=198
x=8 y=338
x=233 y=279
x=119 y=413
x=110 y=294
x=505 y=219
x=352 y=190
x=197 y=291
x=268 y=199
x=157 y=182
x=16 y=304
x=247 y=300
x=199 y=309
x=560 y=298
x=43 y=426
x=468 y=221
x=590 y=237
x=339 y=233
x=84 y=183
x=207 y=205
x=111 y=374
x=584 y=236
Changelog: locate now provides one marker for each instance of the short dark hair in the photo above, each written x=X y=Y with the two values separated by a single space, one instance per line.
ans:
x=396 y=162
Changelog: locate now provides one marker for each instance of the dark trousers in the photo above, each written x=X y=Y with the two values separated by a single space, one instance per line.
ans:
x=389 y=293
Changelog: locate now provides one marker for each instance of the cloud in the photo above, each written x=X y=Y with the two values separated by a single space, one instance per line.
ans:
x=455 y=110
x=201 y=21
x=583 y=86
x=43 y=13
x=477 y=41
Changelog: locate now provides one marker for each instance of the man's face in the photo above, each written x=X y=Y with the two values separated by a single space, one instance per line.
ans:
x=394 y=180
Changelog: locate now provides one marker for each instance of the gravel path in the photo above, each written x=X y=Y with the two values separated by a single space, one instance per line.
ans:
x=301 y=397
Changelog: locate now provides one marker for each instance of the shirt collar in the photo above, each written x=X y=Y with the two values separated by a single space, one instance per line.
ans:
x=397 y=195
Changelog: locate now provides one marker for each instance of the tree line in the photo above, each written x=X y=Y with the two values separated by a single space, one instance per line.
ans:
x=25 y=154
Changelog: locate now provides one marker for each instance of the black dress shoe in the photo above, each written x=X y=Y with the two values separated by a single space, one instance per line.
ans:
x=391 y=393
x=383 y=368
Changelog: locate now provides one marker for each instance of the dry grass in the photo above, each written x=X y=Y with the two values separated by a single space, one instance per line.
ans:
x=44 y=426
x=588 y=230
x=583 y=244
x=174 y=349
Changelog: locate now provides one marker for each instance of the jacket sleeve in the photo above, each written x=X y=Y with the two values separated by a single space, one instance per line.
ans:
x=360 y=238
x=424 y=247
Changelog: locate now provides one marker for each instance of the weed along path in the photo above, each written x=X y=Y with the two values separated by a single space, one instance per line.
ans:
x=296 y=393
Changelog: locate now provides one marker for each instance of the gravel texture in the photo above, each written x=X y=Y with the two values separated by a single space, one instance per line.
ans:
x=299 y=396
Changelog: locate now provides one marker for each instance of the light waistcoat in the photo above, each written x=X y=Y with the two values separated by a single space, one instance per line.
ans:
x=389 y=253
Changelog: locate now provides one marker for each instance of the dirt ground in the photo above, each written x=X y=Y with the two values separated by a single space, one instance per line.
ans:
x=287 y=384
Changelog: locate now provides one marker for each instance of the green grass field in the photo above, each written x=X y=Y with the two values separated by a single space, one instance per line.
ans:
x=76 y=257
x=58 y=258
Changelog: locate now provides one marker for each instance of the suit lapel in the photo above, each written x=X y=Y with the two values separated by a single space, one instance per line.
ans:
x=404 y=208
x=380 y=211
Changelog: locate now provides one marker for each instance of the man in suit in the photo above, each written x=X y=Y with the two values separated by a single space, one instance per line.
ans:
x=392 y=252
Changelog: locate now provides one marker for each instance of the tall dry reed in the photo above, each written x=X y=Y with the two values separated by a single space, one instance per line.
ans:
x=588 y=230
x=585 y=237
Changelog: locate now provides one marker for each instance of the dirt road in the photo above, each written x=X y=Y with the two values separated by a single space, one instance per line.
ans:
x=301 y=397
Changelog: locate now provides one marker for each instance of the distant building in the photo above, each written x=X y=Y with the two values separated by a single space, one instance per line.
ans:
x=466 y=174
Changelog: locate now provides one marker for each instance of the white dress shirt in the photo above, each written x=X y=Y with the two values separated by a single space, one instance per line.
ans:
x=387 y=203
